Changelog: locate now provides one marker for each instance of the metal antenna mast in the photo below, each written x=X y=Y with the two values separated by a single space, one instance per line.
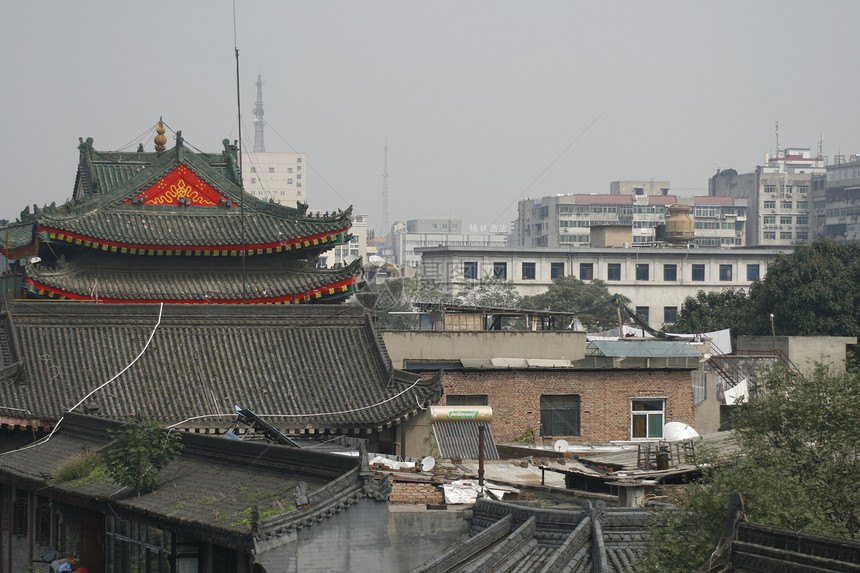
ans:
x=259 y=143
x=385 y=228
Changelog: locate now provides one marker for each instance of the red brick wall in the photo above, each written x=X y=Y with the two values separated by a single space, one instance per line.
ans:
x=416 y=492
x=604 y=395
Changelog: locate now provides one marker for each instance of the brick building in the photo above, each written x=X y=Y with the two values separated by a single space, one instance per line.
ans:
x=579 y=405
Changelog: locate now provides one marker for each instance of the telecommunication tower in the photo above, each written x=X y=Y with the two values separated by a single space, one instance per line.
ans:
x=259 y=142
x=385 y=229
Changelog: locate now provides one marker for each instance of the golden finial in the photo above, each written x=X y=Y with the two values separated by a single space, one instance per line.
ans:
x=160 y=139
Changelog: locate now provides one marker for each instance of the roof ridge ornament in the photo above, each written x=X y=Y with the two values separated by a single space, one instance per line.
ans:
x=160 y=139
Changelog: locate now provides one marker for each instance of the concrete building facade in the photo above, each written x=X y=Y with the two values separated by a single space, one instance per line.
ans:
x=656 y=280
x=281 y=177
x=407 y=238
x=567 y=220
x=835 y=200
x=777 y=195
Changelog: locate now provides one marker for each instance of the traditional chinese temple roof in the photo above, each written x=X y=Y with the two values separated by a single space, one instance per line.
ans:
x=212 y=476
x=173 y=207
x=307 y=369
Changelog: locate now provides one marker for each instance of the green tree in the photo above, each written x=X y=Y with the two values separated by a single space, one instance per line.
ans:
x=814 y=291
x=386 y=299
x=713 y=310
x=569 y=294
x=139 y=450
x=489 y=292
x=798 y=467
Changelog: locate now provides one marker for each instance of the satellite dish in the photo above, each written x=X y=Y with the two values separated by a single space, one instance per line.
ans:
x=674 y=431
x=560 y=446
x=428 y=463
x=376 y=260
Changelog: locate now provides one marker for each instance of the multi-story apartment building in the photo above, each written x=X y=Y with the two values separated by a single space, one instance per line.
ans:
x=656 y=280
x=281 y=177
x=407 y=238
x=777 y=195
x=565 y=220
x=835 y=200
x=342 y=255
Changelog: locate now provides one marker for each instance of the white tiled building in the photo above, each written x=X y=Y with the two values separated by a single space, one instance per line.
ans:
x=281 y=177
x=777 y=195
x=656 y=280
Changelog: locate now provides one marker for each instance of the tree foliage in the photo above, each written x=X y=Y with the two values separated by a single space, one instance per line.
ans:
x=385 y=299
x=569 y=294
x=712 y=311
x=798 y=468
x=814 y=291
x=139 y=451
x=489 y=292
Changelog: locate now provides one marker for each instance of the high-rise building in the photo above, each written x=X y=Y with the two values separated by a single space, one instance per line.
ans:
x=777 y=195
x=561 y=221
x=835 y=198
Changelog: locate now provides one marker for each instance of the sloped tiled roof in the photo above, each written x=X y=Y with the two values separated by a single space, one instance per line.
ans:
x=196 y=281
x=304 y=368
x=210 y=489
x=507 y=537
x=106 y=210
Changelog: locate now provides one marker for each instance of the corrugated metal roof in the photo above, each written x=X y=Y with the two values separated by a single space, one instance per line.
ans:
x=459 y=439
x=643 y=349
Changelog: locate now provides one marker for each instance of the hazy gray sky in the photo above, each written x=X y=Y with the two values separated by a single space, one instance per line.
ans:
x=481 y=102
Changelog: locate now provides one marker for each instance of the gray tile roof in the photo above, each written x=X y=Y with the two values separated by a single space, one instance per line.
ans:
x=507 y=537
x=304 y=368
x=193 y=280
x=103 y=212
x=210 y=490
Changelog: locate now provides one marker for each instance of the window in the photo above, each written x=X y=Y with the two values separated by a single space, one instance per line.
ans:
x=785 y=236
x=470 y=270
x=770 y=188
x=642 y=313
x=290 y=180
x=289 y=169
x=613 y=272
x=299 y=176
x=698 y=272
x=298 y=184
x=769 y=220
x=298 y=159
x=785 y=220
x=253 y=179
x=253 y=169
x=802 y=205
x=642 y=271
x=500 y=270
x=670 y=314
x=271 y=169
x=725 y=272
x=556 y=270
x=752 y=272
x=770 y=204
x=785 y=204
x=803 y=220
x=528 y=271
x=647 y=418
x=670 y=272
x=20 y=509
x=466 y=399
x=586 y=271
x=559 y=415
x=803 y=236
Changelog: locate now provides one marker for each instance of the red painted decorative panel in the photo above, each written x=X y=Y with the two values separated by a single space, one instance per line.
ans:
x=181 y=182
